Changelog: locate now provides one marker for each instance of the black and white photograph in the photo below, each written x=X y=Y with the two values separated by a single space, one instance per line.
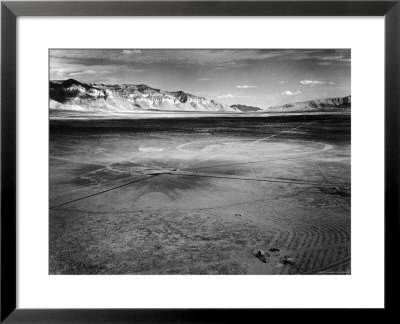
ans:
x=200 y=161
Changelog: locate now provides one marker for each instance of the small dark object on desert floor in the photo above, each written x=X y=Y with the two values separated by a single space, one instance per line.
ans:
x=287 y=261
x=261 y=255
x=274 y=250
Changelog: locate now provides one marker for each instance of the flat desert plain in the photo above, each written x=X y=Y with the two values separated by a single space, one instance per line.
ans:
x=210 y=195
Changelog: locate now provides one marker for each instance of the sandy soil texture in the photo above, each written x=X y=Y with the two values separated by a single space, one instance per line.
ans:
x=200 y=196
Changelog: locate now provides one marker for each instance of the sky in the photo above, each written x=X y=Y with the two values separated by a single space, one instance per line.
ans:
x=254 y=77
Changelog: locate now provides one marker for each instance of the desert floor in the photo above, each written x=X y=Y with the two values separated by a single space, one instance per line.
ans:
x=200 y=196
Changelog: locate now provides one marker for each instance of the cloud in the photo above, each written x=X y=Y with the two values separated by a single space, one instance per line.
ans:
x=311 y=82
x=219 y=59
x=203 y=79
x=131 y=52
x=283 y=82
x=84 y=72
x=229 y=65
x=316 y=82
x=245 y=86
x=338 y=58
x=324 y=56
x=226 y=96
x=291 y=93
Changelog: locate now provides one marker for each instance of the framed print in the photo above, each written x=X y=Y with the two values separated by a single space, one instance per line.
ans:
x=172 y=145
x=157 y=167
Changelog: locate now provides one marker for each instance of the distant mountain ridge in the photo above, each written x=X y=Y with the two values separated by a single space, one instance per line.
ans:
x=245 y=108
x=329 y=104
x=74 y=95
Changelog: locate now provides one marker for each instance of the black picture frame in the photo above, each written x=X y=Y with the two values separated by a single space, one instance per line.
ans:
x=9 y=13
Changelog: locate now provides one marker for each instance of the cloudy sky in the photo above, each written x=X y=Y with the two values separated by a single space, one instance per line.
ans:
x=256 y=77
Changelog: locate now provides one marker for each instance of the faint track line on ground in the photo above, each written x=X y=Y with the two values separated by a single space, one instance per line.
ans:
x=286 y=158
x=71 y=160
x=285 y=131
x=103 y=191
x=135 y=174
x=289 y=181
x=181 y=146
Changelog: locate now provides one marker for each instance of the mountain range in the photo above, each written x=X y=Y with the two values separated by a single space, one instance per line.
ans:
x=245 y=108
x=329 y=104
x=72 y=95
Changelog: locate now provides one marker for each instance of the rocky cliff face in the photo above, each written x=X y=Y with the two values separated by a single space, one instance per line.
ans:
x=74 y=95
x=330 y=104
